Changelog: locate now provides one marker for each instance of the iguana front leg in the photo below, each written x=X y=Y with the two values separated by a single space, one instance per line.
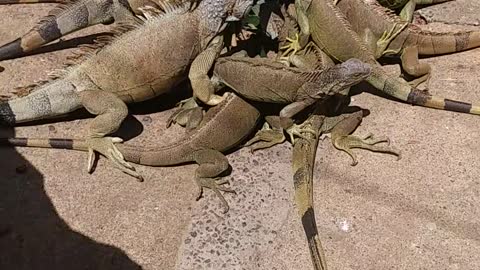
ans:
x=407 y=11
x=300 y=40
x=202 y=87
x=110 y=111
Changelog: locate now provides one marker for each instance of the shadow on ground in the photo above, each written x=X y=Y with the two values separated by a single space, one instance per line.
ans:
x=32 y=234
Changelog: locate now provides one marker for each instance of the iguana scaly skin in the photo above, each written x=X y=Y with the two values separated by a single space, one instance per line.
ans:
x=261 y=79
x=72 y=16
x=406 y=7
x=223 y=127
x=386 y=34
x=331 y=31
x=139 y=65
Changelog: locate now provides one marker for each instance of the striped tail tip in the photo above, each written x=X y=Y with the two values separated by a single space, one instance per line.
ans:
x=7 y=117
x=421 y=98
x=11 y=50
x=40 y=143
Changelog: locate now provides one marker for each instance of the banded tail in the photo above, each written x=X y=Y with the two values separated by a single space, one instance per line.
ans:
x=8 y=2
x=50 y=100
x=303 y=162
x=400 y=89
x=61 y=21
x=431 y=43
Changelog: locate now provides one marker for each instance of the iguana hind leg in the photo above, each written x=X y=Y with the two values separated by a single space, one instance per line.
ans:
x=188 y=115
x=266 y=138
x=110 y=111
x=345 y=142
x=211 y=164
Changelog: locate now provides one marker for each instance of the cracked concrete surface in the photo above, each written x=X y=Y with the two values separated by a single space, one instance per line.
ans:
x=417 y=213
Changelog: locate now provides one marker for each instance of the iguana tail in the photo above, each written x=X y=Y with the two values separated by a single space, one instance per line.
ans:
x=7 y=2
x=429 y=2
x=61 y=21
x=303 y=160
x=49 y=100
x=432 y=43
x=400 y=89
x=167 y=155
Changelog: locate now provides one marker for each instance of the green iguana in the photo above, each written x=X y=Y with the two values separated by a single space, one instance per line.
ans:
x=140 y=64
x=406 y=7
x=261 y=79
x=386 y=34
x=222 y=128
x=332 y=33
x=339 y=124
x=233 y=117
x=72 y=16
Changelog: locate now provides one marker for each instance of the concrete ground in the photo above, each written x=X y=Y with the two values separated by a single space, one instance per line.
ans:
x=421 y=212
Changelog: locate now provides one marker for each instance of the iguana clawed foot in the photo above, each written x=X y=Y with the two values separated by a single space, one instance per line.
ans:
x=188 y=114
x=216 y=185
x=106 y=147
x=299 y=130
x=387 y=37
x=266 y=138
x=293 y=47
x=348 y=142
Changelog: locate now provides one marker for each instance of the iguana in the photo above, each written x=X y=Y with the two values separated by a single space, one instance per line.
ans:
x=386 y=34
x=406 y=7
x=222 y=127
x=330 y=30
x=140 y=64
x=71 y=16
x=261 y=79
x=339 y=123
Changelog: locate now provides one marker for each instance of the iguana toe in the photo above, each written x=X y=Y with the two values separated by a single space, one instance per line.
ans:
x=293 y=47
x=299 y=131
x=188 y=114
x=368 y=142
x=214 y=184
x=106 y=147
x=265 y=138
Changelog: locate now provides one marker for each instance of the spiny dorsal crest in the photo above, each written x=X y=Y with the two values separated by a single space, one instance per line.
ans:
x=166 y=8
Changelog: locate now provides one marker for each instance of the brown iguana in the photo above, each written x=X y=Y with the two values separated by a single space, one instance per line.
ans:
x=406 y=7
x=261 y=79
x=323 y=20
x=384 y=33
x=140 y=64
x=71 y=16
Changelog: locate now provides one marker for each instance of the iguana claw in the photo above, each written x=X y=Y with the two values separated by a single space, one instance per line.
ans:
x=216 y=185
x=348 y=142
x=298 y=130
x=184 y=112
x=293 y=47
x=265 y=138
x=106 y=147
